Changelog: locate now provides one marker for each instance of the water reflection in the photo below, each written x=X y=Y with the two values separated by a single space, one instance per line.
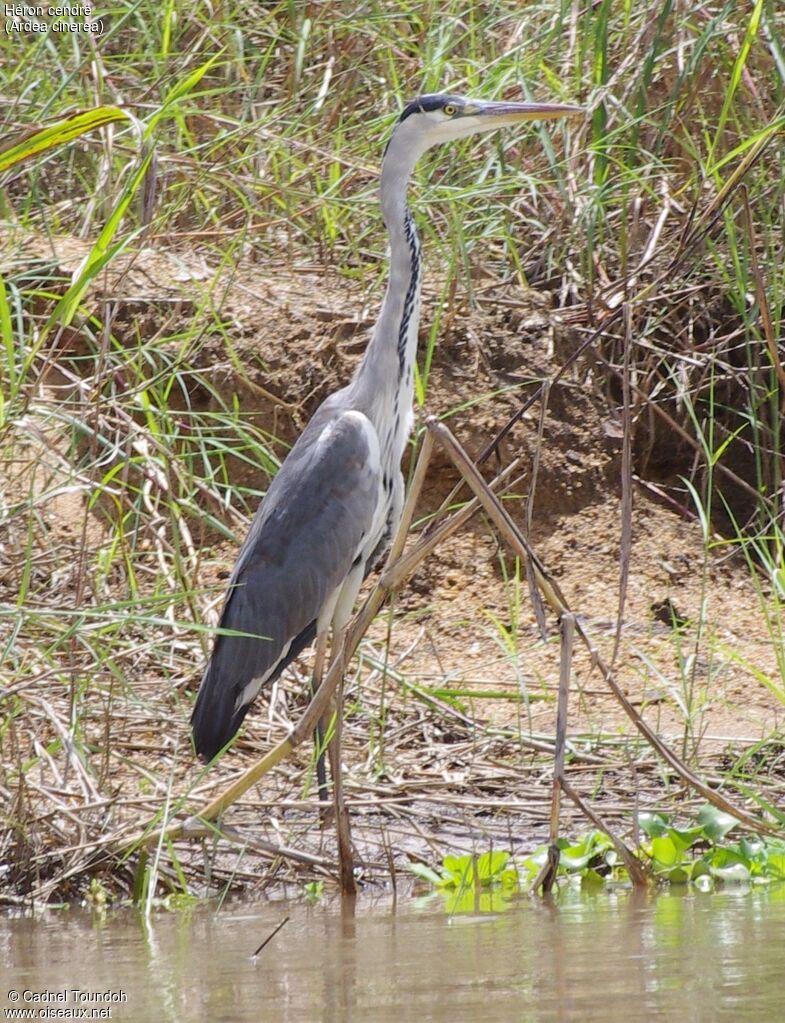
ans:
x=618 y=956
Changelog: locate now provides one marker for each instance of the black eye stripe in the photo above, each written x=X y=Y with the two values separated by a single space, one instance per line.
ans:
x=435 y=101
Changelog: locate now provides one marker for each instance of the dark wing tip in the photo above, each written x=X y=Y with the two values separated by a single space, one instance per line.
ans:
x=214 y=720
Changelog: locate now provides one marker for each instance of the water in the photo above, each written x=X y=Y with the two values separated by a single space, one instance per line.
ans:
x=588 y=958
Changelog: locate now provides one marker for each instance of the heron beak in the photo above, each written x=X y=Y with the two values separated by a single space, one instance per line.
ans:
x=512 y=113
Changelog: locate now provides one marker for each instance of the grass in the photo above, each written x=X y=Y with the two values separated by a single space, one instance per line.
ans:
x=236 y=169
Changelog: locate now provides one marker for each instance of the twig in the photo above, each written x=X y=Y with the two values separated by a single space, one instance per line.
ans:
x=638 y=875
x=236 y=837
x=625 y=542
x=546 y=878
x=270 y=937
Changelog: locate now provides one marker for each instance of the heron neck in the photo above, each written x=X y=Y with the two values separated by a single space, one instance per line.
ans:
x=386 y=375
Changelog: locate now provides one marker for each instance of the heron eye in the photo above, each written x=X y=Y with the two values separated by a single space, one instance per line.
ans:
x=450 y=109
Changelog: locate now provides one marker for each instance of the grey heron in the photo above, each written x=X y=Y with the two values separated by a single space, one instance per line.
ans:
x=335 y=503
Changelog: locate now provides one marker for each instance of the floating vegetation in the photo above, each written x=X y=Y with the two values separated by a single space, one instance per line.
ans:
x=700 y=854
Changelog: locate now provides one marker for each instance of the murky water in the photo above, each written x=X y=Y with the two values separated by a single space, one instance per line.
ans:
x=602 y=958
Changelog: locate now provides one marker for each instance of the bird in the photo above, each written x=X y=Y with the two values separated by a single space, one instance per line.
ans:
x=332 y=508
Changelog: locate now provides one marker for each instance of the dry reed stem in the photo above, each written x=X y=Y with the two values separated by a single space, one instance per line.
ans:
x=767 y=321
x=546 y=877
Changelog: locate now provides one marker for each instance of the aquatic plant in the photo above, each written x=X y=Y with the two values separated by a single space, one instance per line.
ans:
x=698 y=854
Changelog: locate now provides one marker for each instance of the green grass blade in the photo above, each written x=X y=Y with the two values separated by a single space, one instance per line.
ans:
x=41 y=140
x=736 y=73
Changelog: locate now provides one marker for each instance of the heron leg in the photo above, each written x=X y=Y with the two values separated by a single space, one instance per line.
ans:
x=342 y=827
x=320 y=732
x=333 y=749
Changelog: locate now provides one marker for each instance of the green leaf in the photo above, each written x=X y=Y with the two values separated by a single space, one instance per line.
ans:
x=753 y=848
x=179 y=91
x=40 y=140
x=724 y=857
x=682 y=840
x=733 y=873
x=652 y=824
x=490 y=865
x=591 y=879
x=102 y=252
x=470 y=901
x=736 y=73
x=715 y=823
x=665 y=852
x=535 y=861
x=7 y=346
x=572 y=860
x=678 y=876
x=314 y=890
x=775 y=865
x=458 y=871
x=699 y=868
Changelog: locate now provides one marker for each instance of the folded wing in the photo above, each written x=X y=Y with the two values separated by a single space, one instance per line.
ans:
x=307 y=535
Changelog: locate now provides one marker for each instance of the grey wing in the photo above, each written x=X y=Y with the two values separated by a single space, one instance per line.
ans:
x=305 y=538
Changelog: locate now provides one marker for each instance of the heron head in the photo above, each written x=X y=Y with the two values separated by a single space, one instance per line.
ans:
x=430 y=120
